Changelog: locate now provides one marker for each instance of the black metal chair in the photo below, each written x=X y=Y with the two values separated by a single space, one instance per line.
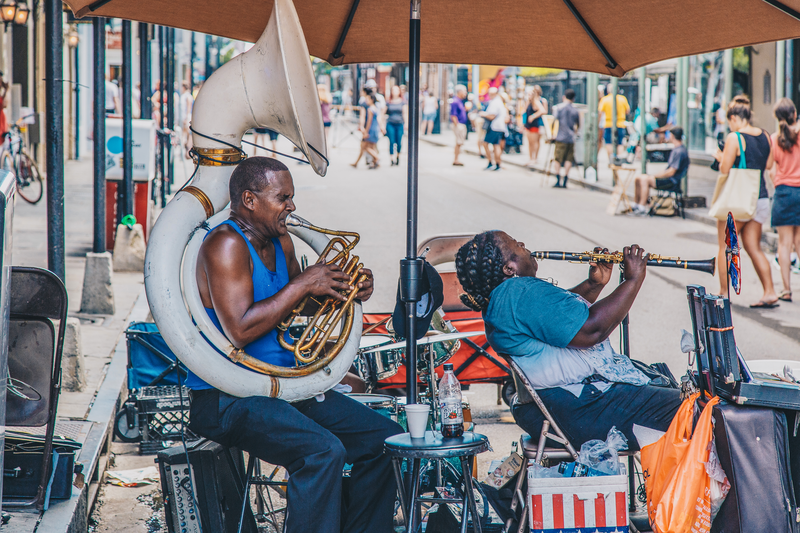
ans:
x=37 y=298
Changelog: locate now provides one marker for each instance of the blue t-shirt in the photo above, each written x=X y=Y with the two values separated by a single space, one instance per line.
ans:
x=535 y=321
x=525 y=313
x=679 y=160
x=266 y=284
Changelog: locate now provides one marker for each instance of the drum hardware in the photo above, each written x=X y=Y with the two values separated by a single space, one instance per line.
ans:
x=433 y=339
x=382 y=403
x=382 y=364
x=372 y=327
x=706 y=265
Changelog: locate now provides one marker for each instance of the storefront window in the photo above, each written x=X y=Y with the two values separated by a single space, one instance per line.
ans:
x=706 y=93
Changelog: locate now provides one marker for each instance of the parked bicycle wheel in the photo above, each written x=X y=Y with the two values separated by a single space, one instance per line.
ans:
x=29 y=181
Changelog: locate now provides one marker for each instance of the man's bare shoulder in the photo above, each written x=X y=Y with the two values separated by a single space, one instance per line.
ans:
x=224 y=245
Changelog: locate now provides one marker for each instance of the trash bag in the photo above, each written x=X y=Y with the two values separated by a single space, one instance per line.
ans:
x=677 y=483
x=603 y=456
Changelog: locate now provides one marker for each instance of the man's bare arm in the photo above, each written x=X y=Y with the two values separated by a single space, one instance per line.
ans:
x=225 y=260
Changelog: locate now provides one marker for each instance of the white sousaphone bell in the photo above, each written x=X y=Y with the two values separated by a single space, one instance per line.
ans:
x=270 y=86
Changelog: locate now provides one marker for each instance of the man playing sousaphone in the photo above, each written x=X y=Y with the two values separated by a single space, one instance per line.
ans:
x=559 y=338
x=249 y=281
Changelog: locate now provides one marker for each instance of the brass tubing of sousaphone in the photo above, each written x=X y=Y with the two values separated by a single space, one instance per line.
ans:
x=309 y=348
x=707 y=265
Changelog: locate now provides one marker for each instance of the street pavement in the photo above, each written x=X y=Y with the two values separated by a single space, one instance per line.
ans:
x=467 y=200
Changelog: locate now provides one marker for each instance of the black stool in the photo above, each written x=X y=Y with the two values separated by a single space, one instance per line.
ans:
x=434 y=446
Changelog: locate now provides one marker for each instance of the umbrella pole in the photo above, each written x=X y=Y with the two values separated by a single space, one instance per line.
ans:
x=411 y=267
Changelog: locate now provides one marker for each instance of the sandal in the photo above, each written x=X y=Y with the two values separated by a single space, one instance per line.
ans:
x=785 y=296
x=765 y=305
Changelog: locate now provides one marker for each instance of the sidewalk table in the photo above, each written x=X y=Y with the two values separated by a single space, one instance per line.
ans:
x=434 y=446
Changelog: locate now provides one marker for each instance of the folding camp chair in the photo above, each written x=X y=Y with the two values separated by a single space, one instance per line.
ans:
x=539 y=451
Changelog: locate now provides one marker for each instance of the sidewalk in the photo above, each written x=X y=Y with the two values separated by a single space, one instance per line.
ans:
x=86 y=416
x=701 y=179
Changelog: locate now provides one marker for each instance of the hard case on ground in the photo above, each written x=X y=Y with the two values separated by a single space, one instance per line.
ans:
x=753 y=448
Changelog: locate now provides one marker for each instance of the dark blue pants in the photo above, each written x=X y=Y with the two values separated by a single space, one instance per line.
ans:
x=395 y=134
x=312 y=440
x=594 y=413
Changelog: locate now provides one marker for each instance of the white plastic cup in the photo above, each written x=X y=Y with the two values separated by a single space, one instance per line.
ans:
x=417 y=418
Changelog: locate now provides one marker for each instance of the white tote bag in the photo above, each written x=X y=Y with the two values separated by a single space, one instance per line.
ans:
x=737 y=192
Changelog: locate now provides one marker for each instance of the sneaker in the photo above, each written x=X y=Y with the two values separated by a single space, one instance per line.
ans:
x=488 y=167
x=497 y=167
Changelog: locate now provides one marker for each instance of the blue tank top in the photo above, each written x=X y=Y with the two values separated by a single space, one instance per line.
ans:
x=266 y=283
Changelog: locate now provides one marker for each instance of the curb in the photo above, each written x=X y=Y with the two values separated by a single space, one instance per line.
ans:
x=768 y=240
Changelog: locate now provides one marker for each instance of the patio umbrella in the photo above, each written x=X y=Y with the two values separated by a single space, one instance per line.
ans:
x=609 y=37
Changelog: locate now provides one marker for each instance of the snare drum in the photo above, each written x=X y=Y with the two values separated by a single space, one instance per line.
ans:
x=384 y=364
x=382 y=403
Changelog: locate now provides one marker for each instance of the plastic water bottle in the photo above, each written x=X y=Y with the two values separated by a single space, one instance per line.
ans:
x=450 y=404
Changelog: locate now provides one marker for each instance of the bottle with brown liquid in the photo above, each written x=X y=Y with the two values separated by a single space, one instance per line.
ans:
x=450 y=404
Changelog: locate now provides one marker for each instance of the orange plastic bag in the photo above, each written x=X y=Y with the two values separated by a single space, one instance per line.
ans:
x=677 y=485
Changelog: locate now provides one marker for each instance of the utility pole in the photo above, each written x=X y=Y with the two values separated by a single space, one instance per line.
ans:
x=125 y=191
x=614 y=90
x=643 y=115
x=590 y=127
x=99 y=137
x=145 y=80
x=54 y=120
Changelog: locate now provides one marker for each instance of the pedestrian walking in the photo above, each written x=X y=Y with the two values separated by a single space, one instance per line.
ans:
x=497 y=115
x=605 y=106
x=370 y=132
x=786 y=200
x=430 y=106
x=458 y=116
x=569 y=120
x=537 y=107
x=260 y=136
x=325 y=102
x=396 y=114
x=756 y=145
x=113 y=106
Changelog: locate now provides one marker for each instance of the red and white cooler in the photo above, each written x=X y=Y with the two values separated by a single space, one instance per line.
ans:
x=578 y=504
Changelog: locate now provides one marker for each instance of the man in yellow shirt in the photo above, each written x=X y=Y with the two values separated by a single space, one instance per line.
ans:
x=606 y=107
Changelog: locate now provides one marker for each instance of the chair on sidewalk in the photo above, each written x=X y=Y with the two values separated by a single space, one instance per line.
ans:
x=659 y=203
x=37 y=301
x=621 y=178
x=538 y=450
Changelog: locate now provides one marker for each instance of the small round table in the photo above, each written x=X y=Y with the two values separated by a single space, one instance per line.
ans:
x=434 y=446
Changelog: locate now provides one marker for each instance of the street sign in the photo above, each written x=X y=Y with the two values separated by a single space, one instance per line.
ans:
x=144 y=149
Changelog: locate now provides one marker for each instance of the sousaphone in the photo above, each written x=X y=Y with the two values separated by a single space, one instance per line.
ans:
x=270 y=86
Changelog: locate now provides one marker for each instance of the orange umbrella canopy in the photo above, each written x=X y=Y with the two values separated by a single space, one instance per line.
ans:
x=541 y=33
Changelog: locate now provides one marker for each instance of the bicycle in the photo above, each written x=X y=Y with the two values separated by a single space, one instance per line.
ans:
x=15 y=159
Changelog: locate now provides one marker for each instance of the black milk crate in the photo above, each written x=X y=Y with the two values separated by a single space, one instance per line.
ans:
x=156 y=413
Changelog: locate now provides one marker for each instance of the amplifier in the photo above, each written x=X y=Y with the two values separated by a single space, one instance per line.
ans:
x=213 y=486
